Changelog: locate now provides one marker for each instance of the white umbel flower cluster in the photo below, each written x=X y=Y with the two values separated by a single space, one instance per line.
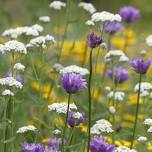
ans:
x=89 y=23
x=56 y=132
x=88 y=7
x=33 y=30
x=148 y=121
x=61 y=107
x=149 y=40
x=116 y=53
x=41 y=41
x=150 y=129
x=7 y=92
x=10 y=81
x=118 y=95
x=105 y=16
x=145 y=88
x=13 y=46
x=57 y=67
x=142 y=139
x=101 y=126
x=57 y=5
x=124 y=149
x=44 y=19
x=26 y=129
x=19 y=66
x=74 y=69
x=112 y=110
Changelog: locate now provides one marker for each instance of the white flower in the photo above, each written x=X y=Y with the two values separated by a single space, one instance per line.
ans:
x=89 y=23
x=19 y=66
x=142 y=139
x=44 y=19
x=57 y=5
x=148 y=121
x=2 y=48
x=57 y=67
x=143 y=52
x=149 y=40
x=14 y=46
x=112 y=110
x=107 y=88
x=105 y=16
x=26 y=129
x=37 y=27
x=88 y=7
x=74 y=69
x=7 y=92
x=41 y=41
x=101 y=126
x=115 y=53
x=56 y=132
x=124 y=149
x=61 y=107
x=10 y=81
x=118 y=95
x=150 y=129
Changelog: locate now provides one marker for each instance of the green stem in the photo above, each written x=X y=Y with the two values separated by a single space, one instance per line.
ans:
x=136 y=114
x=89 y=94
x=65 y=126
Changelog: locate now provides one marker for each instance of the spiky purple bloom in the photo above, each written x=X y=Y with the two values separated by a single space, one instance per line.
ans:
x=129 y=14
x=141 y=66
x=75 y=118
x=32 y=148
x=54 y=145
x=73 y=82
x=94 y=40
x=119 y=75
x=98 y=144
x=112 y=27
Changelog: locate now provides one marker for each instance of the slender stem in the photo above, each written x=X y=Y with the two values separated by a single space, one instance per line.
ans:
x=89 y=94
x=136 y=114
x=65 y=126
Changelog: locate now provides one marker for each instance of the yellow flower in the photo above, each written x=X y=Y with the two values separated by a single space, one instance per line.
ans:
x=58 y=121
x=149 y=146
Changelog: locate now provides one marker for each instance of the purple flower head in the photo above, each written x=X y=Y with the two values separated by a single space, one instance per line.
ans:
x=94 y=40
x=98 y=144
x=112 y=27
x=73 y=82
x=75 y=118
x=32 y=148
x=19 y=78
x=141 y=66
x=120 y=75
x=54 y=145
x=129 y=14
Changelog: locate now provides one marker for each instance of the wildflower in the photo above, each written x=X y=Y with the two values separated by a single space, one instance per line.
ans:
x=129 y=14
x=89 y=23
x=141 y=66
x=142 y=139
x=94 y=40
x=7 y=92
x=32 y=148
x=124 y=149
x=14 y=46
x=2 y=49
x=75 y=119
x=150 y=129
x=149 y=40
x=119 y=75
x=88 y=7
x=101 y=126
x=41 y=41
x=26 y=129
x=19 y=66
x=112 y=110
x=57 y=67
x=61 y=107
x=105 y=16
x=112 y=27
x=98 y=144
x=73 y=82
x=56 y=132
x=148 y=121
x=44 y=19
x=54 y=145
x=118 y=95
x=57 y=5
x=74 y=69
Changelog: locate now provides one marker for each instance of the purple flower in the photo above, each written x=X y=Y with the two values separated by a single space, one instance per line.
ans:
x=141 y=66
x=54 y=145
x=75 y=118
x=98 y=144
x=33 y=148
x=120 y=75
x=129 y=14
x=94 y=40
x=112 y=27
x=73 y=82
